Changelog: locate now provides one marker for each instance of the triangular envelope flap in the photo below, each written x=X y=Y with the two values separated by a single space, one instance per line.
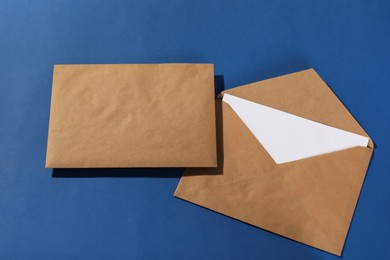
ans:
x=311 y=201
x=303 y=94
x=240 y=153
x=287 y=137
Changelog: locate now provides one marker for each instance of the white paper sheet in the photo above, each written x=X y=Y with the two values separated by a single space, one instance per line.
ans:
x=287 y=137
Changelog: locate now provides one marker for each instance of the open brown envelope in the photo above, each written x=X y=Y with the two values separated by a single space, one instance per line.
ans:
x=310 y=200
x=132 y=115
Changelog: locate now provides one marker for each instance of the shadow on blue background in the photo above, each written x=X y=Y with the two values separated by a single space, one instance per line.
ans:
x=118 y=173
x=346 y=42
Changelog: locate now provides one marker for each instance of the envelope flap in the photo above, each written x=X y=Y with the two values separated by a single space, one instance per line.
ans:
x=303 y=94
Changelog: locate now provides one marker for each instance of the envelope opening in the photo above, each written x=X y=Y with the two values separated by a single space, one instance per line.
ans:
x=288 y=137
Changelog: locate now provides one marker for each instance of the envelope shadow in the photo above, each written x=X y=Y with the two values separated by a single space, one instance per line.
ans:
x=219 y=86
x=118 y=173
x=220 y=154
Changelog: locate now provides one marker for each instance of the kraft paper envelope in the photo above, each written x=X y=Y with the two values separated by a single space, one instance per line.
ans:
x=132 y=115
x=306 y=194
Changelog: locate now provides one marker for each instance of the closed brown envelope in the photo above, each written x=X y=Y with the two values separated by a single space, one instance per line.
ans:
x=311 y=200
x=132 y=115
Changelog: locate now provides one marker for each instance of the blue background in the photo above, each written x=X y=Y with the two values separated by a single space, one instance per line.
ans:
x=131 y=216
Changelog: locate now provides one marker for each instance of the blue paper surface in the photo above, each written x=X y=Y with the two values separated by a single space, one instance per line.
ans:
x=131 y=216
